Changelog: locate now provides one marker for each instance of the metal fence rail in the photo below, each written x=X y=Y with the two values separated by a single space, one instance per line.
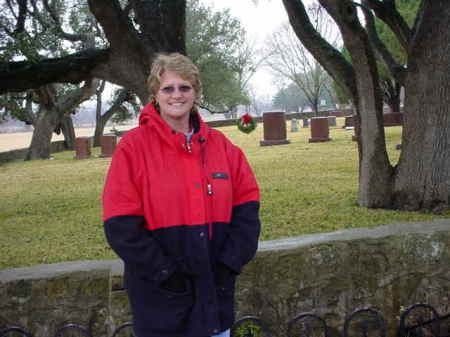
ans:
x=418 y=320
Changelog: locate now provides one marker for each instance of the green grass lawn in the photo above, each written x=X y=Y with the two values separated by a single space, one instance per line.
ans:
x=50 y=211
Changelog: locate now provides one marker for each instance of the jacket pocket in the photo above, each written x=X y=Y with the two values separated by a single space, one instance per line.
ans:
x=159 y=310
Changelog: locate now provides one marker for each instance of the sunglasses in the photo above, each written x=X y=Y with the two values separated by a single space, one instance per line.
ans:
x=171 y=89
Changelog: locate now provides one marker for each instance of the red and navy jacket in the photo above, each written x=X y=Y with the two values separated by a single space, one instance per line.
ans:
x=173 y=207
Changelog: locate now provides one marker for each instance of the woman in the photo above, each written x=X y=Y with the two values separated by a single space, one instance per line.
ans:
x=181 y=209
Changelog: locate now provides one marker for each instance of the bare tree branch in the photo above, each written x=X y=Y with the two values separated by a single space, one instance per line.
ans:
x=248 y=63
x=331 y=59
x=57 y=23
x=11 y=8
x=7 y=30
x=291 y=60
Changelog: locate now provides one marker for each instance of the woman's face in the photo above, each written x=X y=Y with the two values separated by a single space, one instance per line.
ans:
x=175 y=96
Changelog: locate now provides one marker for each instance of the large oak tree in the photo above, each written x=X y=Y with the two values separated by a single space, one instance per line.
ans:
x=215 y=41
x=421 y=179
x=135 y=30
x=74 y=46
x=32 y=31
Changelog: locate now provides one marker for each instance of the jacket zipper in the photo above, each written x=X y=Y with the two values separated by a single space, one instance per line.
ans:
x=188 y=146
x=209 y=190
x=210 y=210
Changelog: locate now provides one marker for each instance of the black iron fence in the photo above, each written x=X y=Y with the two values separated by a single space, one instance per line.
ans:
x=419 y=320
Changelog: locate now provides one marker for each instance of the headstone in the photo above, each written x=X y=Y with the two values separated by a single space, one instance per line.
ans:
x=305 y=122
x=82 y=147
x=331 y=120
x=348 y=121
x=294 y=125
x=320 y=131
x=274 y=129
x=108 y=144
x=393 y=119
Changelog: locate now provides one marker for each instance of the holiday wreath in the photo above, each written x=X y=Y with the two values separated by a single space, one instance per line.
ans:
x=246 y=123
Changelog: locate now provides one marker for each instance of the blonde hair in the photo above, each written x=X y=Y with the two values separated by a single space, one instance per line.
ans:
x=179 y=64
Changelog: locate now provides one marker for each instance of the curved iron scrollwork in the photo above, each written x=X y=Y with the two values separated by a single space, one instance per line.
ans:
x=307 y=324
x=365 y=323
x=14 y=332
x=125 y=330
x=73 y=330
x=420 y=320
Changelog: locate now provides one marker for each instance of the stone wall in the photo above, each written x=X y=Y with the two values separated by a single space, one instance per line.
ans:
x=386 y=267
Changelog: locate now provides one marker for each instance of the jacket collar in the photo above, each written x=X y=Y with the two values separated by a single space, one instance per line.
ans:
x=151 y=117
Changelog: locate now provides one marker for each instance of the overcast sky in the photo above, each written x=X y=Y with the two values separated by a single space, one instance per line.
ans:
x=259 y=21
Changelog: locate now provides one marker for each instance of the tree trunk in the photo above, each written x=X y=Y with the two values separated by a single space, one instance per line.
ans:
x=423 y=174
x=99 y=122
x=421 y=179
x=99 y=129
x=162 y=24
x=391 y=94
x=360 y=82
x=42 y=134
x=68 y=131
x=315 y=106
x=375 y=171
x=315 y=110
x=51 y=115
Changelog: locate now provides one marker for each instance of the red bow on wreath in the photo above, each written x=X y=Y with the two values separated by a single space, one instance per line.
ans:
x=246 y=123
x=246 y=119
